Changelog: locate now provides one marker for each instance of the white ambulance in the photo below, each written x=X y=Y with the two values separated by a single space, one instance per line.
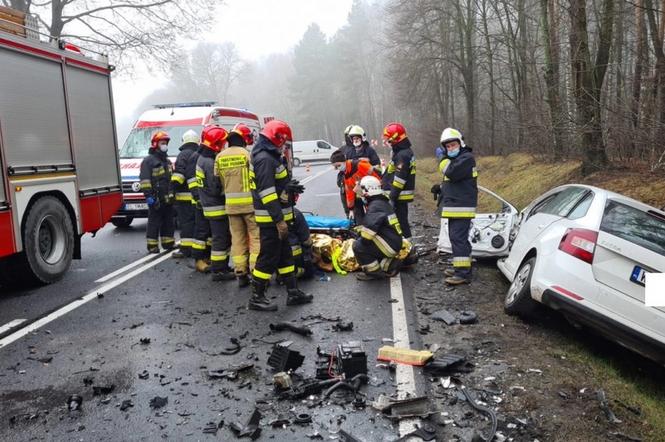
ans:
x=175 y=119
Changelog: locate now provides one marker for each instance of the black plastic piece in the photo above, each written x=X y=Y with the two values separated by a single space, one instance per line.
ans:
x=283 y=359
x=323 y=362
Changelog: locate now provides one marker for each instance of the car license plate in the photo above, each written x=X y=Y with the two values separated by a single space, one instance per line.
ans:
x=638 y=275
x=136 y=206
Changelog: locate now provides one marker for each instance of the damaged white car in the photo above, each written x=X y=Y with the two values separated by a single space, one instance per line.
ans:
x=490 y=231
x=585 y=251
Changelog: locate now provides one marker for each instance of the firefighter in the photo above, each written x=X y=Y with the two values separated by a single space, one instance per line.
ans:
x=340 y=175
x=234 y=168
x=399 y=178
x=301 y=245
x=155 y=180
x=353 y=171
x=202 y=240
x=460 y=198
x=273 y=208
x=380 y=234
x=213 y=140
x=360 y=148
x=185 y=210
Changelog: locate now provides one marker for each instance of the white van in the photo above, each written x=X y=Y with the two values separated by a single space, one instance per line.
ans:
x=312 y=150
x=175 y=119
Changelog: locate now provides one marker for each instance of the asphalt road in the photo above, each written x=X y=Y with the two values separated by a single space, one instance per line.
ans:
x=189 y=322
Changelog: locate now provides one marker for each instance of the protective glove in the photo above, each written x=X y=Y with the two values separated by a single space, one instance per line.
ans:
x=352 y=215
x=436 y=190
x=153 y=202
x=294 y=187
x=282 y=230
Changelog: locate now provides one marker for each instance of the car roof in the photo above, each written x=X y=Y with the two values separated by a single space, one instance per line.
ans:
x=608 y=194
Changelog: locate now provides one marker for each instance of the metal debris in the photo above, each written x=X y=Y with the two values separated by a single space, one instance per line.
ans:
x=102 y=390
x=251 y=429
x=282 y=326
x=74 y=402
x=158 y=402
x=126 y=404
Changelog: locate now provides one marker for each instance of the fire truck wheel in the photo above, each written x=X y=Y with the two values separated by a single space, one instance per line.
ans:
x=122 y=223
x=48 y=240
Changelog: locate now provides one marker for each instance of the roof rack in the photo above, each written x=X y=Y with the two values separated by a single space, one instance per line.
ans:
x=190 y=104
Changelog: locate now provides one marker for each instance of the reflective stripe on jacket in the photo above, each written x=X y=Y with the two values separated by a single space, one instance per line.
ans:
x=210 y=188
x=459 y=187
x=270 y=179
x=233 y=168
x=381 y=227
x=155 y=175
x=399 y=178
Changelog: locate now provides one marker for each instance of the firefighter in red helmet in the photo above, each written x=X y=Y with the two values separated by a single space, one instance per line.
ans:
x=273 y=209
x=215 y=221
x=399 y=178
x=155 y=181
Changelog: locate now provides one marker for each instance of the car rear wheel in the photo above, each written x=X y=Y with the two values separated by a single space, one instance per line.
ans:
x=296 y=162
x=123 y=222
x=518 y=300
x=48 y=239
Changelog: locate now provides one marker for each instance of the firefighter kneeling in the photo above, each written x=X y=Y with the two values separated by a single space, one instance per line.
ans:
x=380 y=234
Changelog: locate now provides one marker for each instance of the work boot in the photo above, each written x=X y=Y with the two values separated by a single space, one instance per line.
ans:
x=178 y=255
x=154 y=250
x=224 y=275
x=457 y=280
x=449 y=272
x=202 y=266
x=294 y=295
x=370 y=276
x=258 y=301
x=243 y=281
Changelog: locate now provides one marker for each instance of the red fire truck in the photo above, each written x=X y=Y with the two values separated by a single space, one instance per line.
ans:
x=59 y=174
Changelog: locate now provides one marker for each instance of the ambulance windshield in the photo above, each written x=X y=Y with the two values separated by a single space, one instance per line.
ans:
x=138 y=140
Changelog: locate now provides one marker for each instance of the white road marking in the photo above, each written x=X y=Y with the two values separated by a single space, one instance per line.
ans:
x=125 y=268
x=79 y=302
x=310 y=178
x=11 y=324
x=404 y=375
x=328 y=194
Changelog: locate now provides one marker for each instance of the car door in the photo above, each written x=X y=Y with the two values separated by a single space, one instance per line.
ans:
x=549 y=208
x=490 y=229
x=323 y=151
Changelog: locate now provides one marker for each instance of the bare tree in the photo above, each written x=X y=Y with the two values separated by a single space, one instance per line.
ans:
x=145 y=28
x=588 y=79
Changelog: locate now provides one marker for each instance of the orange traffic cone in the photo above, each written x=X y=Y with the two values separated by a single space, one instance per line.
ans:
x=307 y=169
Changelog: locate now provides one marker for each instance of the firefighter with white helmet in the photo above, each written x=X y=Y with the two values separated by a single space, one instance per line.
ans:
x=360 y=148
x=183 y=196
x=460 y=198
x=155 y=181
x=380 y=234
x=340 y=175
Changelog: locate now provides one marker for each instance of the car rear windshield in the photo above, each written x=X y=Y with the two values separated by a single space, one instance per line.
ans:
x=642 y=228
x=138 y=140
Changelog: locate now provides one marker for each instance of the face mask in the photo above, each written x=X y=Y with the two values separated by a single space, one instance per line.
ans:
x=164 y=147
x=453 y=153
x=357 y=143
x=342 y=167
